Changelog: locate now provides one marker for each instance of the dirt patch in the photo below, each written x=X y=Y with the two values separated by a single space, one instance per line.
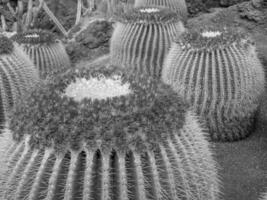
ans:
x=90 y=41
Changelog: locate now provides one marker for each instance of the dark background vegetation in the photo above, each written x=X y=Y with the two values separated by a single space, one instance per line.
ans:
x=65 y=10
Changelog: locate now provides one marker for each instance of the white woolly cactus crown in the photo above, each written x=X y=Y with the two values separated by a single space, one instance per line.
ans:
x=148 y=15
x=218 y=71
x=97 y=88
x=45 y=50
x=211 y=34
x=149 y=10
x=32 y=37
x=211 y=38
x=17 y=75
x=138 y=143
x=179 y=6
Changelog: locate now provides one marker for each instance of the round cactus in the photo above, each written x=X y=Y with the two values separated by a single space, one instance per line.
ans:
x=101 y=134
x=47 y=53
x=17 y=76
x=219 y=73
x=178 y=6
x=142 y=38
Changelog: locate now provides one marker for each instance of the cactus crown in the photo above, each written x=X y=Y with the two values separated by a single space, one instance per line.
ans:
x=148 y=15
x=6 y=45
x=209 y=38
x=34 y=37
x=138 y=117
x=97 y=88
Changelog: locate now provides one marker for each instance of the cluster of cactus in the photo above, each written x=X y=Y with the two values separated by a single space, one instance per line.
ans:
x=45 y=50
x=144 y=144
x=142 y=38
x=217 y=70
x=17 y=75
x=178 y=6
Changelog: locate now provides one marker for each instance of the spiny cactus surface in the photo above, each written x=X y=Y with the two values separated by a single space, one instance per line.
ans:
x=17 y=76
x=142 y=38
x=46 y=52
x=178 y=6
x=219 y=73
x=127 y=138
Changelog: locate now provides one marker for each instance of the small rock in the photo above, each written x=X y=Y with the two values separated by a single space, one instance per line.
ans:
x=96 y=34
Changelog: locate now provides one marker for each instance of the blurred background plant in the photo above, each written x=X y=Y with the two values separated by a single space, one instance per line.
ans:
x=62 y=16
x=58 y=16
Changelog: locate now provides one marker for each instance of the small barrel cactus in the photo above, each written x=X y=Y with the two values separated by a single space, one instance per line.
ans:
x=178 y=6
x=101 y=134
x=142 y=38
x=17 y=76
x=219 y=73
x=45 y=50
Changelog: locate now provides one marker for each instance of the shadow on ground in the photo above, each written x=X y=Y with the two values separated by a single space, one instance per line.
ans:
x=243 y=164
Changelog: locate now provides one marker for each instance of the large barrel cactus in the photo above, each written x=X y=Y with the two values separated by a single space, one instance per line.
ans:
x=99 y=134
x=17 y=76
x=45 y=50
x=218 y=71
x=178 y=6
x=142 y=38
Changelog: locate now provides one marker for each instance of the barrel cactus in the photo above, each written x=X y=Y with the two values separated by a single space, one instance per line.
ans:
x=219 y=73
x=142 y=38
x=45 y=50
x=101 y=134
x=178 y=6
x=17 y=75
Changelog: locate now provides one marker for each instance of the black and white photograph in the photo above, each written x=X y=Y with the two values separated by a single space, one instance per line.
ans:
x=133 y=100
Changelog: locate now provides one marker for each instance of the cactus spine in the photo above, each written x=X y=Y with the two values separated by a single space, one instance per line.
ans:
x=17 y=76
x=107 y=155
x=178 y=6
x=47 y=53
x=219 y=73
x=142 y=38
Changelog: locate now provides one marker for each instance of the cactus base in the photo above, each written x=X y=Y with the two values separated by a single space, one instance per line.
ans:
x=234 y=130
